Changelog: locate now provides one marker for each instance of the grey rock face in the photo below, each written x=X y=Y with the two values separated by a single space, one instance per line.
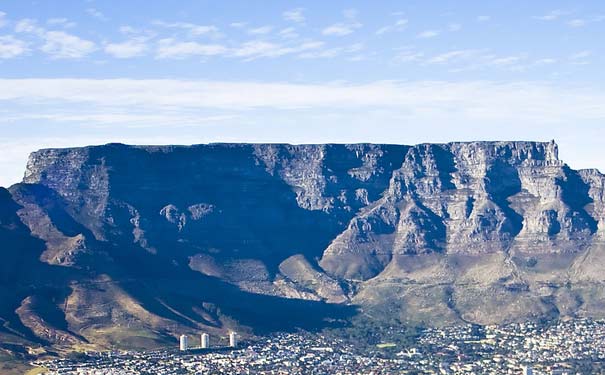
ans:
x=472 y=198
x=433 y=231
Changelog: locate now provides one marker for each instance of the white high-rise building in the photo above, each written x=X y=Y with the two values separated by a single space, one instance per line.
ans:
x=205 y=341
x=184 y=342
x=527 y=370
x=233 y=339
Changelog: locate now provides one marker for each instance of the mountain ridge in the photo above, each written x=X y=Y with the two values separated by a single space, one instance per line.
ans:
x=482 y=232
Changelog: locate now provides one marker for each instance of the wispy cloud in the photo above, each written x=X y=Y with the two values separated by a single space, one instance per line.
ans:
x=408 y=55
x=469 y=59
x=97 y=14
x=257 y=49
x=288 y=33
x=553 y=15
x=28 y=25
x=340 y=29
x=485 y=100
x=483 y=18
x=3 y=20
x=57 y=44
x=428 y=34
x=545 y=61
x=333 y=52
x=453 y=27
x=344 y=28
x=11 y=47
x=350 y=14
x=169 y=48
x=399 y=25
x=260 y=30
x=60 y=22
x=294 y=15
x=191 y=28
x=576 y=22
x=450 y=56
x=581 y=22
x=61 y=45
x=128 y=49
x=581 y=55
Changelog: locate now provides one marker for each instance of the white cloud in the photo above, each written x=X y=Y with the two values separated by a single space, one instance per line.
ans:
x=552 y=15
x=191 y=28
x=486 y=100
x=238 y=25
x=11 y=47
x=61 y=22
x=545 y=61
x=580 y=58
x=344 y=28
x=126 y=29
x=399 y=25
x=96 y=14
x=449 y=56
x=294 y=15
x=350 y=13
x=57 y=44
x=408 y=56
x=288 y=33
x=62 y=45
x=581 y=55
x=341 y=29
x=28 y=25
x=3 y=21
x=333 y=52
x=581 y=22
x=257 y=48
x=260 y=30
x=483 y=18
x=428 y=34
x=128 y=49
x=250 y=50
x=577 y=22
x=475 y=59
x=172 y=49
x=125 y=119
x=506 y=60
x=453 y=27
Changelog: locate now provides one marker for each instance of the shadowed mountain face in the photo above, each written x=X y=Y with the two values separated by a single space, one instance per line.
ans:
x=130 y=246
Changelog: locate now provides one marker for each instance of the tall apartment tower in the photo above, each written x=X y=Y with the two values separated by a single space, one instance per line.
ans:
x=205 y=341
x=527 y=370
x=184 y=342
x=233 y=339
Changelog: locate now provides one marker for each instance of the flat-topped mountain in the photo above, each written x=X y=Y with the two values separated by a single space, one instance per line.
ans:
x=129 y=246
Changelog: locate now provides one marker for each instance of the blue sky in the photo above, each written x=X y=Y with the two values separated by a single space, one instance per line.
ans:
x=154 y=72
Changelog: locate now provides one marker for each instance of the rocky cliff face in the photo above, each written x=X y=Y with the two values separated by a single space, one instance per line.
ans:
x=210 y=235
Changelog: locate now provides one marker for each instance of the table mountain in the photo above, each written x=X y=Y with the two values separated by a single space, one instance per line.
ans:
x=129 y=246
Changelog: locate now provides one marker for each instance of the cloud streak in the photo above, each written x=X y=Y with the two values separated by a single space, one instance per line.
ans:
x=10 y=47
x=489 y=100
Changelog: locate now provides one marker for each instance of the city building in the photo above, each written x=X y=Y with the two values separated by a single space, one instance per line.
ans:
x=233 y=339
x=184 y=342
x=205 y=341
